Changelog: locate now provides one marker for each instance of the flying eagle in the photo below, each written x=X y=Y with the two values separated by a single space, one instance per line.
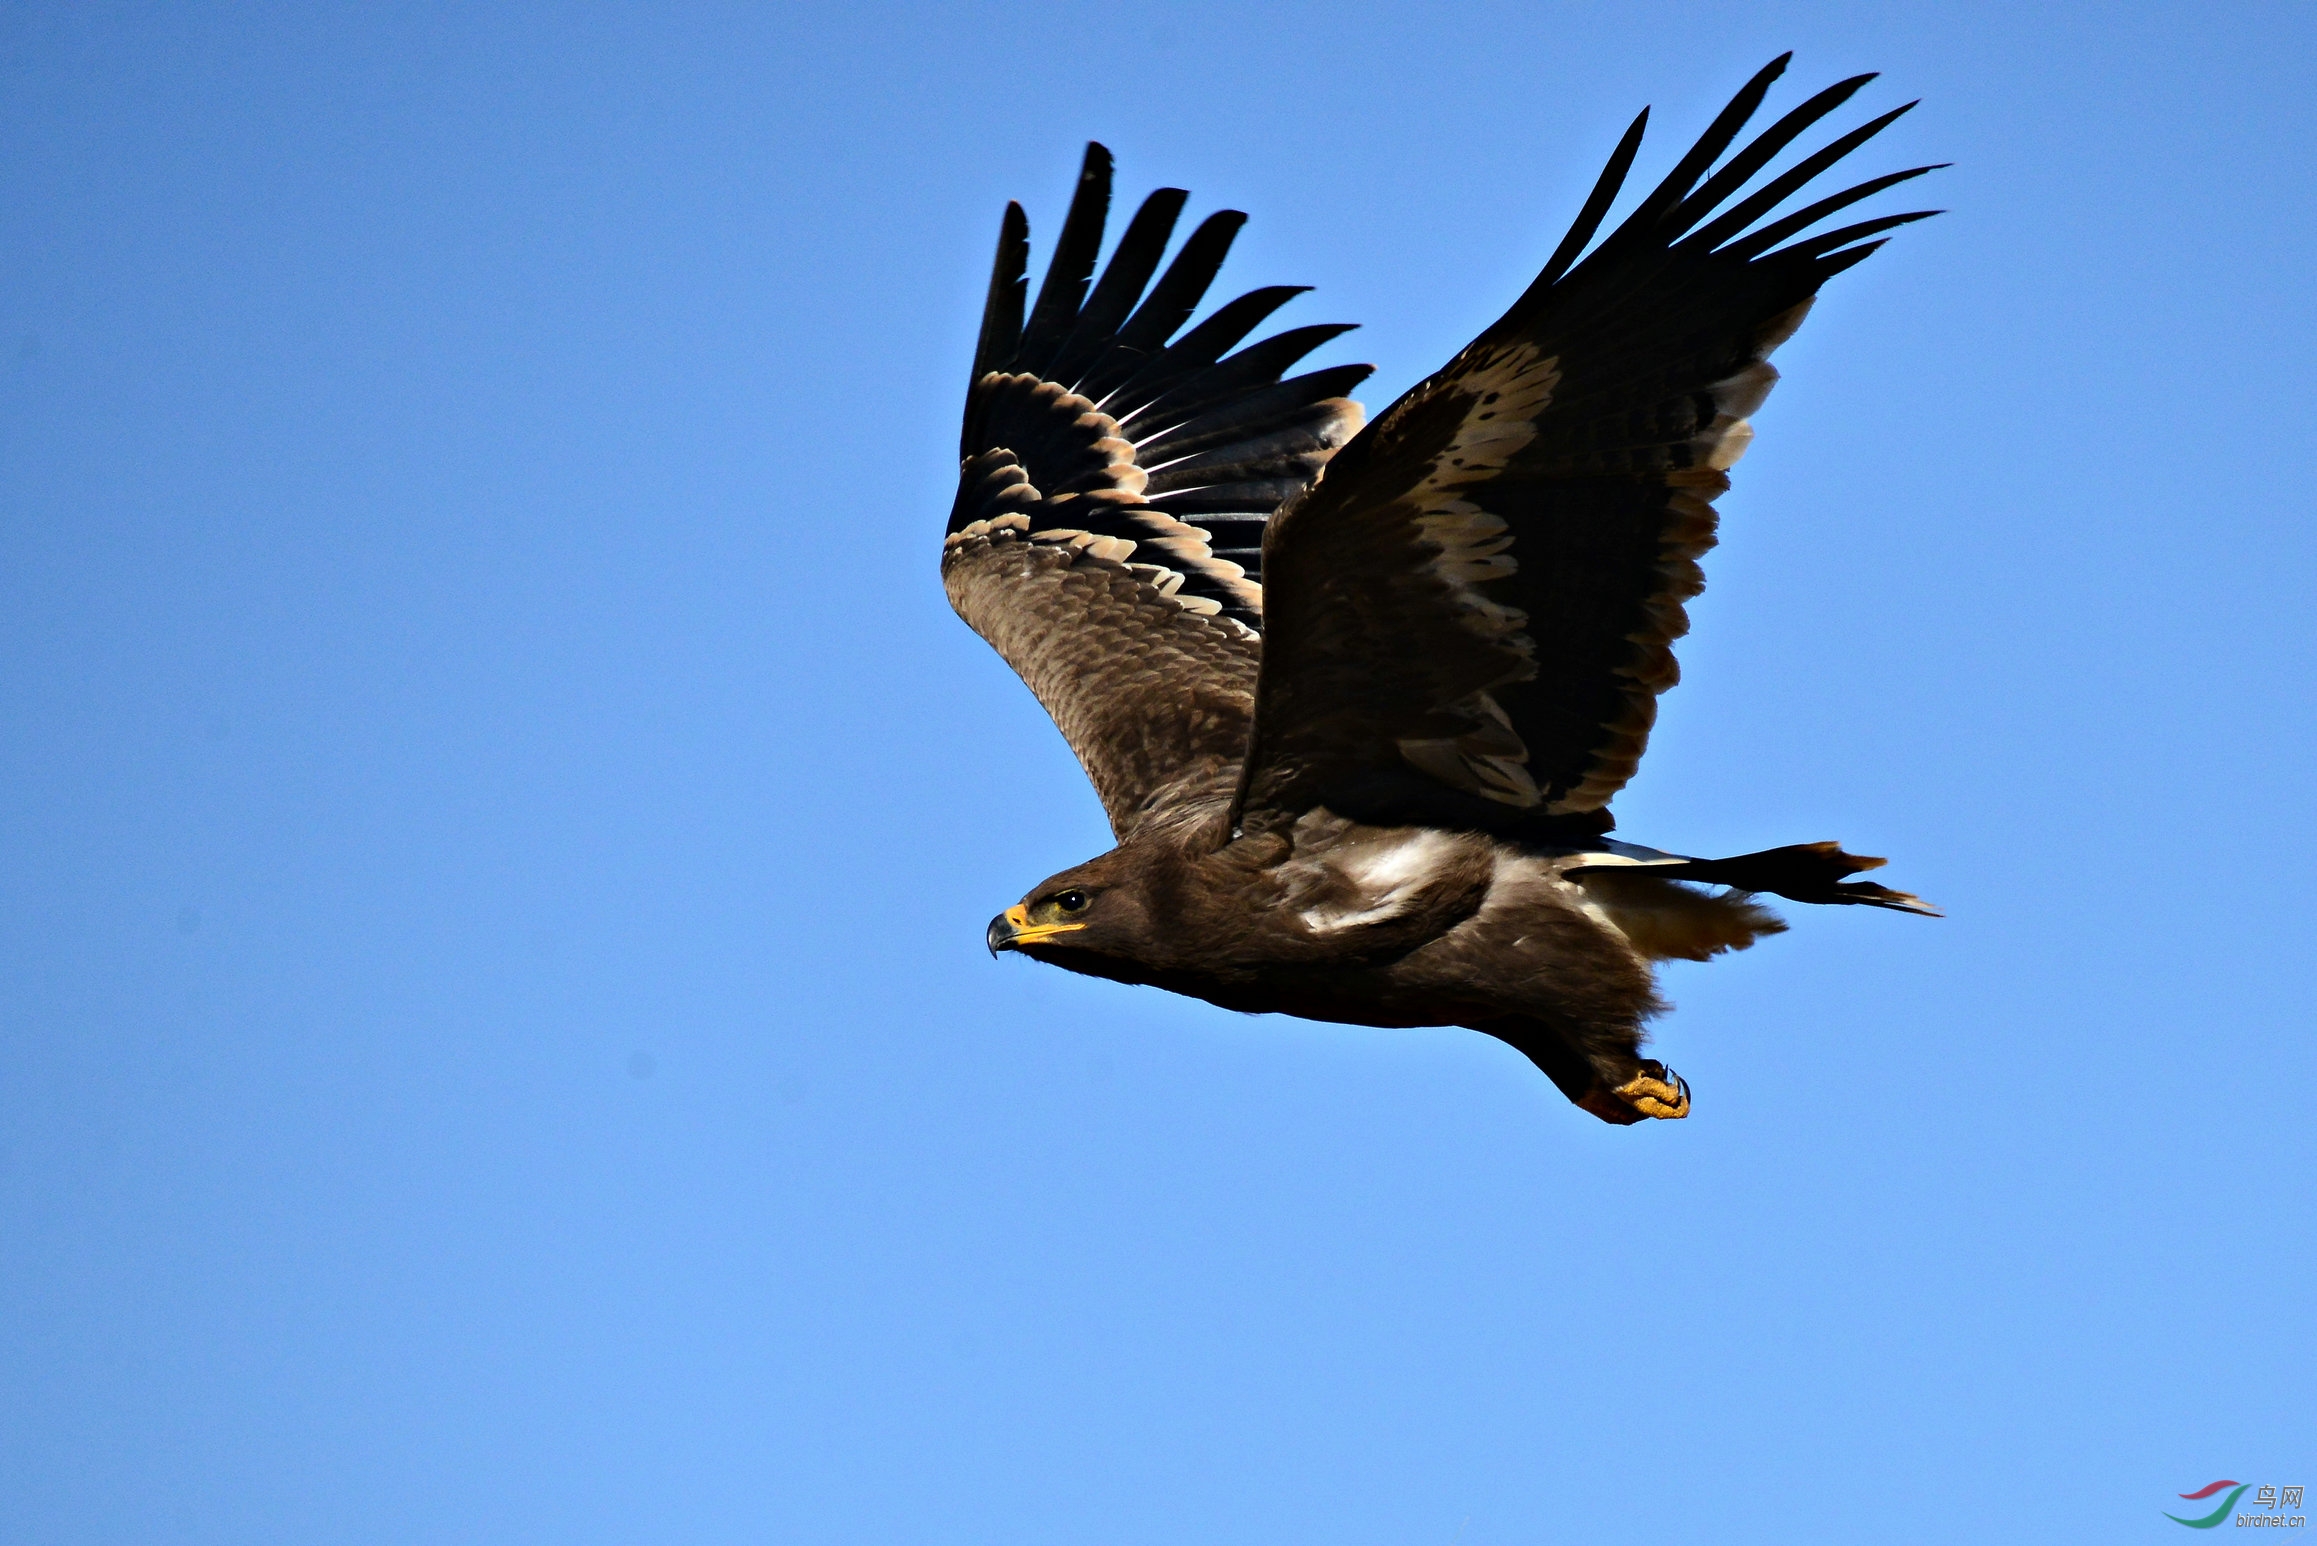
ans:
x=1356 y=699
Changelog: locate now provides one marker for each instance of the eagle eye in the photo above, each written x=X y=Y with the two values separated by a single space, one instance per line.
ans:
x=1072 y=901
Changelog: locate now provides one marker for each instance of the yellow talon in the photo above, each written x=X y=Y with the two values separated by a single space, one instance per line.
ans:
x=1666 y=1098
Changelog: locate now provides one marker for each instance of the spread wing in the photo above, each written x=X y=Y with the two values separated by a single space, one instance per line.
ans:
x=1472 y=614
x=1108 y=532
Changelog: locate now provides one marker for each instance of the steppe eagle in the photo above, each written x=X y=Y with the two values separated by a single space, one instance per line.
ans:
x=1356 y=699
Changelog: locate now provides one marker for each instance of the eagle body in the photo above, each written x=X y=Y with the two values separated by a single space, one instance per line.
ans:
x=1404 y=926
x=1356 y=696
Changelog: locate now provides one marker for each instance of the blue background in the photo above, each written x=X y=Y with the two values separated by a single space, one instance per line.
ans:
x=497 y=819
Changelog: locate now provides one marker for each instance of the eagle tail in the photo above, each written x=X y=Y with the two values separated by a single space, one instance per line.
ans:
x=1802 y=872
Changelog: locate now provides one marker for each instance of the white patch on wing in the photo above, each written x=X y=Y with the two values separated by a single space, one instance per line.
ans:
x=1384 y=878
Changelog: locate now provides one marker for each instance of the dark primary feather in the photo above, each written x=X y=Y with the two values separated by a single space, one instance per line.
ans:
x=1071 y=268
x=1469 y=619
x=1001 y=331
x=1123 y=282
x=1740 y=168
x=1098 y=581
x=1170 y=302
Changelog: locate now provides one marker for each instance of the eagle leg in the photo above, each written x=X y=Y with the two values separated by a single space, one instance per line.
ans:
x=1611 y=1082
x=1656 y=1091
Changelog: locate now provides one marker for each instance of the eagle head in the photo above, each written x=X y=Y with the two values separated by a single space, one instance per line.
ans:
x=1093 y=919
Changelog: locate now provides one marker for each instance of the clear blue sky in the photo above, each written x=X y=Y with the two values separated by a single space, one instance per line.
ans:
x=497 y=819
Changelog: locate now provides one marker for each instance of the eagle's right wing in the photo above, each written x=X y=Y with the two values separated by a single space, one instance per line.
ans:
x=1473 y=612
x=1108 y=532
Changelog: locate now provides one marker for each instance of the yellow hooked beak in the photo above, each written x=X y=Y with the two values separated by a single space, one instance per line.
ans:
x=1013 y=928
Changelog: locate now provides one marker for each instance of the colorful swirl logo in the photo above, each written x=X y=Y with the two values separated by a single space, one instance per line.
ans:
x=2212 y=1519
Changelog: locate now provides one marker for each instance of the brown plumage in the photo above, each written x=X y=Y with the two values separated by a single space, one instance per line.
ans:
x=1356 y=699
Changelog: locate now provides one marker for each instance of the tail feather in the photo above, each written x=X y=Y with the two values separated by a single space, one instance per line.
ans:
x=1803 y=872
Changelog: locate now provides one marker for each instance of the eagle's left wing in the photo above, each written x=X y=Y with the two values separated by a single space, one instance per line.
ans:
x=1472 y=613
x=1107 y=536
